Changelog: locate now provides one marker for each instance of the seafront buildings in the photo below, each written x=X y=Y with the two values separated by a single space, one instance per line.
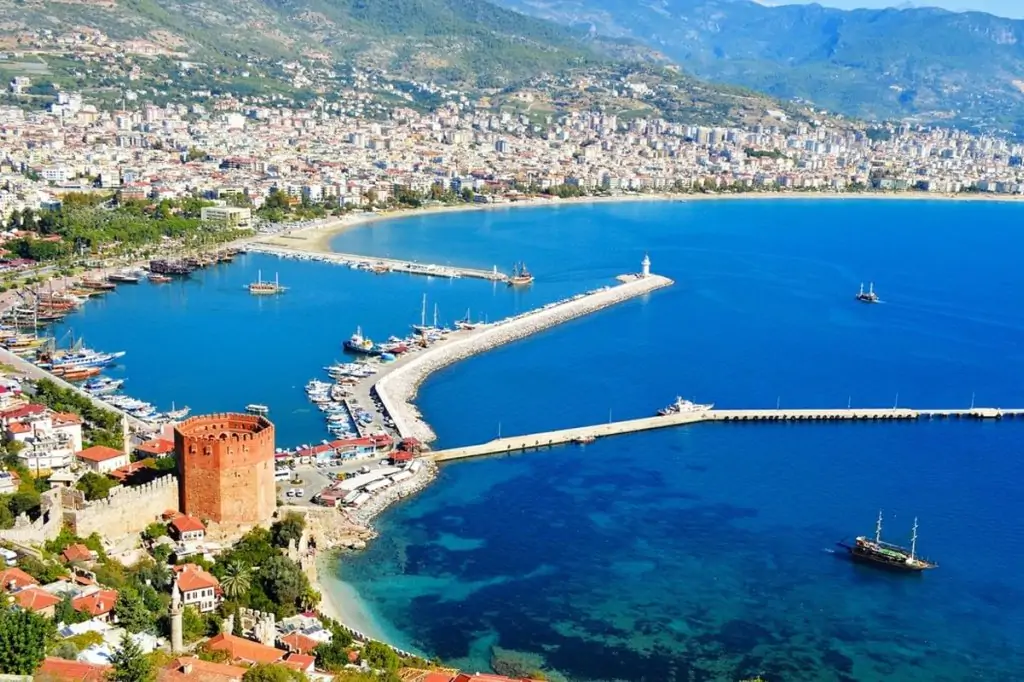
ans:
x=320 y=155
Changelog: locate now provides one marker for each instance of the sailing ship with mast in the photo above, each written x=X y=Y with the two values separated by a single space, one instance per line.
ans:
x=887 y=555
x=423 y=329
x=520 y=275
x=466 y=323
x=868 y=296
x=261 y=288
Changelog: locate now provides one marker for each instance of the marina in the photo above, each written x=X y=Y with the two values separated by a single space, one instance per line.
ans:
x=382 y=265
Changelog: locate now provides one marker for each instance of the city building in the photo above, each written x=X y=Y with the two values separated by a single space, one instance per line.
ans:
x=198 y=588
x=227 y=217
x=226 y=469
x=188 y=529
x=100 y=459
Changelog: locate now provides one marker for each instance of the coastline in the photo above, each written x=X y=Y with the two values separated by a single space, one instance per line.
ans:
x=318 y=238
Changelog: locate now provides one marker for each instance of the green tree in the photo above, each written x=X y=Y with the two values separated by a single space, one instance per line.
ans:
x=44 y=571
x=130 y=664
x=193 y=625
x=131 y=610
x=95 y=486
x=26 y=500
x=65 y=612
x=333 y=656
x=380 y=656
x=235 y=580
x=24 y=640
x=467 y=194
x=155 y=530
x=265 y=672
x=288 y=528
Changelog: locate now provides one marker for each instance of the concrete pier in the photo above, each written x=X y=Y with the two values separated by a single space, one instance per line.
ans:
x=562 y=436
x=397 y=387
x=378 y=264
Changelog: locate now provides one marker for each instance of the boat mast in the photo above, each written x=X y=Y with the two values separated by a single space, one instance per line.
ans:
x=913 y=540
x=871 y=288
x=435 y=316
x=861 y=292
x=878 y=527
x=423 y=312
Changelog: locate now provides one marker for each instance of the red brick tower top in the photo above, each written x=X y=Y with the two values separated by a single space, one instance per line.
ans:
x=226 y=467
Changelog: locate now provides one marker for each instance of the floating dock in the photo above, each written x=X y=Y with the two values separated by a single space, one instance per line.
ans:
x=563 y=436
x=380 y=265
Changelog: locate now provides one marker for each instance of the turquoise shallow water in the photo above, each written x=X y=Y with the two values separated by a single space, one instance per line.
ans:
x=696 y=553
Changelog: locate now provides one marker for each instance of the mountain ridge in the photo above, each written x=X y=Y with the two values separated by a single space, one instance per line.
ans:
x=925 y=64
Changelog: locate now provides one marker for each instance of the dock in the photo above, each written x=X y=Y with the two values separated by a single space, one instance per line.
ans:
x=535 y=441
x=379 y=265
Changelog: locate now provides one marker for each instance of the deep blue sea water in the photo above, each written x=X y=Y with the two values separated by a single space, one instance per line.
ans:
x=688 y=554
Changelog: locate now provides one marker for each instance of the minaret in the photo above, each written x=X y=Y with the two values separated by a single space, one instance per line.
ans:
x=645 y=267
x=176 y=614
x=126 y=436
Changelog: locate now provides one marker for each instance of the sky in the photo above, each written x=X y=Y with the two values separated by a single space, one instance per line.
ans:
x=1003 y=8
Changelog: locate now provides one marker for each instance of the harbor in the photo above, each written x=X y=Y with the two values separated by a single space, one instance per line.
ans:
x=378 y=265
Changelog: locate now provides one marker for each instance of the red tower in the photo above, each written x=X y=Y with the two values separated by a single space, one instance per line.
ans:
x=226 y=468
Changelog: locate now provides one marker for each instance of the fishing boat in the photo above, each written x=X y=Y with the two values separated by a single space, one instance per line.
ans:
x=357 y=343
x=868 y=296
x=123 y=277
x=256 y=408
x=98 y=284
x=681 y=405
x=103 y=385
x=887 y=555
x=261 y=288
x=465 y=323
x=75 y=373
x=157 y=278
x=520 y=275
x=174 y=414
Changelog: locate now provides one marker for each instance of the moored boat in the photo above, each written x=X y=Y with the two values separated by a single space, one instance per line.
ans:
x=358 y=343
x=683 y=405
x=157 y=278
x=520 y=275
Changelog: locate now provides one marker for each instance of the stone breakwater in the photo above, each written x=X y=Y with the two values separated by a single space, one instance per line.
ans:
x=398 y=388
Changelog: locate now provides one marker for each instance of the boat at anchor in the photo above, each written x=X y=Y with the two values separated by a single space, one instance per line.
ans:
x=520 y=275
x=887 y=555
x=683 y=405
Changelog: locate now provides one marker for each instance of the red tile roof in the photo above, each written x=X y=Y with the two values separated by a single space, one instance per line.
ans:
x=23 y=411
x=97 y=603
x=99 y=453
x=70 y=671
x=301 y=662
x=65 y=419
x=186 y=668
x=191 y=577
x=239 y=649
x=76 y=552
x=157 y=446
x=187 y=524
x=19 y=427
x=17 y=576
x=35 y=599
x=296 y=641
x=126 y=472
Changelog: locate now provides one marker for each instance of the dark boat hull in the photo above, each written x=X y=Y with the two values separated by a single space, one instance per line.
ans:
x=883 y=562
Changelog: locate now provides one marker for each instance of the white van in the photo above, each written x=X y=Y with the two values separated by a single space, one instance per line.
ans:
x=10 y=558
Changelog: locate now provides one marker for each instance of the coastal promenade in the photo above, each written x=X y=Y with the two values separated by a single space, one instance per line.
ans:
x=396 y=387
x=585 y=433
x=381 y=265
x=30 y=371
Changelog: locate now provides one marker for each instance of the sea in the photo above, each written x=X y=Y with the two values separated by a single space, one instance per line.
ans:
x=705 y=552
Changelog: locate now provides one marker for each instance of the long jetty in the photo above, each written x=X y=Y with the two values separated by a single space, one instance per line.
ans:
x=397 y=388
x=585 y=433
x=380 y=264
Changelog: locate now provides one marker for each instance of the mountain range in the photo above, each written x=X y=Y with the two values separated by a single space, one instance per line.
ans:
x=924 y=64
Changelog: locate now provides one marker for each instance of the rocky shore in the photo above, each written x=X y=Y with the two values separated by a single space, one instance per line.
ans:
x=398 y=388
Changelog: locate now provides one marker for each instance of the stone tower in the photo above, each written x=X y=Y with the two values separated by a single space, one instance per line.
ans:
x=226 y=468
x=176 y=616
x=645 y=266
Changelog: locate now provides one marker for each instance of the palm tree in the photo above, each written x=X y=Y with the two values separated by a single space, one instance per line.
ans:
x=236 y=579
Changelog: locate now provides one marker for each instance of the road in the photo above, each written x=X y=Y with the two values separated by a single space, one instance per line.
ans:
x=315 y=479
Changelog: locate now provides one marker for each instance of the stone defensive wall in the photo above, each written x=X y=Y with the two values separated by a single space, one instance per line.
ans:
x=127 y=511
x=27 y=531
x=397 y=389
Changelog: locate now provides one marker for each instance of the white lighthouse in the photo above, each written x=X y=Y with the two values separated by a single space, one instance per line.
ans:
x=645 y=266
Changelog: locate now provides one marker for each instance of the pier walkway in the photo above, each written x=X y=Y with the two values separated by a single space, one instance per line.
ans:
x=378 y=264
x=562 y=436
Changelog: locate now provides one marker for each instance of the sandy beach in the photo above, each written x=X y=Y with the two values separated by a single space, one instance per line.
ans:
x=318 y=238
